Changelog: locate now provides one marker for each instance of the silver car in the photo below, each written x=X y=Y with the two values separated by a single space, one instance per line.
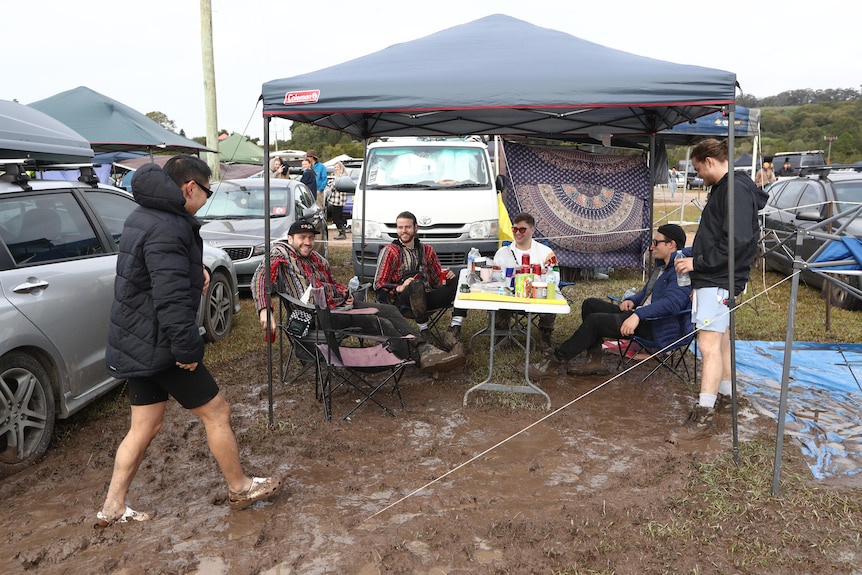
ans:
x=234 y=219
x=58 y=255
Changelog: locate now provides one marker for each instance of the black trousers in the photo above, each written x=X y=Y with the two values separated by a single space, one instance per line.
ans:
x=599 y=319
x=437 y=298
x=337 y=215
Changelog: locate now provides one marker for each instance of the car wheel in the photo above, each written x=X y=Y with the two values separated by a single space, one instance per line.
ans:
x=218 y=312
x=26 y=412
x=842 y=298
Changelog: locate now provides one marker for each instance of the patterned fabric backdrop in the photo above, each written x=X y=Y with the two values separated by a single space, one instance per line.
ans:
x=592 y=209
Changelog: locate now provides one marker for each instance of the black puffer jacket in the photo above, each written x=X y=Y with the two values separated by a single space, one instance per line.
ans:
x=159 y=281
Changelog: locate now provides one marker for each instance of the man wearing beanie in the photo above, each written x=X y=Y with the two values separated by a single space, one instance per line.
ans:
x=661 y=297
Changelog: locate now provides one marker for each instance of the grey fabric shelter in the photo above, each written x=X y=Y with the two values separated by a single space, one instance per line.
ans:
x=111 y=126
x=31 y=133
x=500 y=75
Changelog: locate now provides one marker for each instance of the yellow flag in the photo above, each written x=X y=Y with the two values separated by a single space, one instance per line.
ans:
x=504 y=224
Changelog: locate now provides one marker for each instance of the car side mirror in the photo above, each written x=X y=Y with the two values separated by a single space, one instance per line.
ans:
x=809 y=216
x=500 y=183
x=345 y=184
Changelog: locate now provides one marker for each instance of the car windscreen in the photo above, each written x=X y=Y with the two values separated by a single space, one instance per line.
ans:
x=233 y=203
x=427 y=167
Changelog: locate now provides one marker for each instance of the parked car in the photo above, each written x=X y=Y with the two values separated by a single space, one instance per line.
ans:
x=798 y=203
x=798 y=161
x=234 y=219
x=58 y=256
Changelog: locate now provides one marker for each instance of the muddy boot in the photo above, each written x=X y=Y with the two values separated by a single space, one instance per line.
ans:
x=432 y=358
x=548 y=367
x=341 y=235
x=698 y=425
x=452 y=337
x=593 y=367
x=418 y=303
x=545 y=344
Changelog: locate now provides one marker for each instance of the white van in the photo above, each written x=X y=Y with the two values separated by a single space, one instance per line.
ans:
x=447 y=183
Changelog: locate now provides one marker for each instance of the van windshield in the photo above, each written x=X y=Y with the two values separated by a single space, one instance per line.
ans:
x=427 y=167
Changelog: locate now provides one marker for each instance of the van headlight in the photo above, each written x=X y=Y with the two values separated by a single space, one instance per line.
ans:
x=372 y=229
x=483 y=230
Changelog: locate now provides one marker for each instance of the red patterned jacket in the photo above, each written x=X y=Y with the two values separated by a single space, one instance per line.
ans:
x=391 y=268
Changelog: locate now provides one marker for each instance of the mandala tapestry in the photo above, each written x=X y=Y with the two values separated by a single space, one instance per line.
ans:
x=592 y=209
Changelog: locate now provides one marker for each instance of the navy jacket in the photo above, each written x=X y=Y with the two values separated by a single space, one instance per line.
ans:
x=668 y=298
x=159 y=280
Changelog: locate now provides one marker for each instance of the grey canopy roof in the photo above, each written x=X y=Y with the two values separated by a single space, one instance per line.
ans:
x=500 y=75
x=25 y=132
x=110 y=125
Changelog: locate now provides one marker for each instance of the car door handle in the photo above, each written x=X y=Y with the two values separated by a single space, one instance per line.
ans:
x=31 y=285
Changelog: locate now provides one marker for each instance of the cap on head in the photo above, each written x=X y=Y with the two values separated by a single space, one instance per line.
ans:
x=673 y=232
x=300 y=226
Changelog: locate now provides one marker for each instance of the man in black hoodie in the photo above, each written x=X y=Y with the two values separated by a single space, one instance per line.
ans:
x=154 y=341
x=710 y=278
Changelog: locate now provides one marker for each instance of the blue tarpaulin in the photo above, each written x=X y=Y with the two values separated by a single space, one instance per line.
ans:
x=824 y=400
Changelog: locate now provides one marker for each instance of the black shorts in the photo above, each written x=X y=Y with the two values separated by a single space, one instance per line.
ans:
x=190 y=388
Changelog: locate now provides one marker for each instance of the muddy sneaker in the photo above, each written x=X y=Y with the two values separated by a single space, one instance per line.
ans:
x=261 y=488
x=128 y=516
x=546 y=368
x=452 y=336
x=698 y=425
x=722 y=402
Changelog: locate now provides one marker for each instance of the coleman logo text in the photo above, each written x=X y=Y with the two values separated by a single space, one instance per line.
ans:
x=303 y=97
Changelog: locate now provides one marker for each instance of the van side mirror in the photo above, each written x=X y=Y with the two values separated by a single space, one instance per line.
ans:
x=500 y=183
x=345 y=184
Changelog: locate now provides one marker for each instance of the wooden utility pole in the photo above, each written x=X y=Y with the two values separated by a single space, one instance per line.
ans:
x=209 y=86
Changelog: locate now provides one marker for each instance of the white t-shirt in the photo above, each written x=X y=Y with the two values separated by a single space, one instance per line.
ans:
x=510 y=256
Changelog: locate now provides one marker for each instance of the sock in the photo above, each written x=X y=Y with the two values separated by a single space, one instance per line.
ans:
x=422 y=326
x=456 y=320
x=707 y=400
x=724 y=387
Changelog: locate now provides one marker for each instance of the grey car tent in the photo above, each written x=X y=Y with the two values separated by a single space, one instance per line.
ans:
x=112 y=126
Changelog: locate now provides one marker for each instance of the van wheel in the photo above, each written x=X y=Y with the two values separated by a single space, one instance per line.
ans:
x=26 y=412
x=842 y=298
x=218 y=311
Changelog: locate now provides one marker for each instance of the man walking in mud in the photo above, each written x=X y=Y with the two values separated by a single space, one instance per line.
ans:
x=154 y=341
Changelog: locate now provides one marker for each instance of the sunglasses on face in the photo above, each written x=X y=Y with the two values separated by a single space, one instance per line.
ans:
x=518 y=230
x=655 y=243
x=206 y=190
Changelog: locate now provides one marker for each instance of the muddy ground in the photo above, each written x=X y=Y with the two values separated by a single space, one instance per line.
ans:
x=593 y=488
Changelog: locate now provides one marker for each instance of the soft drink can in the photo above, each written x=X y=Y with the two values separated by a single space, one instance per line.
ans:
x=525 y=259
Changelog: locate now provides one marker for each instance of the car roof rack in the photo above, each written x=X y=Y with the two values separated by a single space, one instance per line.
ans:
x=16 y=170
x=823 y=171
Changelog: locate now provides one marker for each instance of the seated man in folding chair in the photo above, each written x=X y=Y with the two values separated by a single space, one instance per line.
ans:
x=409 y=276
x=512 y=255
x=297 y=266
x=661 y=297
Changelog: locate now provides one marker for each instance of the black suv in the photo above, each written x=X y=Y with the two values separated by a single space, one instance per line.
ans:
x=800 y=203
x=798 y=161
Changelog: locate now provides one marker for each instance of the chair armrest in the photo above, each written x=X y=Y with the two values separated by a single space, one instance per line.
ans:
x=614 y=298
x=293 y=302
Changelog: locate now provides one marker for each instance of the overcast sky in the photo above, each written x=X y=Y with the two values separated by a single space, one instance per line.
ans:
x=147 y=55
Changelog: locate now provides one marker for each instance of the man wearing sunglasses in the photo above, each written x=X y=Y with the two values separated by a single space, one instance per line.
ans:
x=153 y=340
x=523 y=226
x=661 y=297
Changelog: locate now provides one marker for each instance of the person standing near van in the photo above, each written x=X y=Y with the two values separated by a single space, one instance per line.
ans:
x=335 y=201
x=672 y=181
x=309 y=178
x=320 y=173
x=765 y=177
x=786 y=169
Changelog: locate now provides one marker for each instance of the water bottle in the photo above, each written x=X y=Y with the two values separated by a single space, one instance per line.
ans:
x=629 y=293
x=353 y=284
x=471 y=259
x=682 y=279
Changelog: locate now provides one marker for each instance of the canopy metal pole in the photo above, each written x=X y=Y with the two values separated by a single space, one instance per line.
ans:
x=363 y=183
x=266 y=262
x=785 y=370
x=731 y=265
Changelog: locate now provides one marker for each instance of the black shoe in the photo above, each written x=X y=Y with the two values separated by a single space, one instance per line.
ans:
x=341 y=236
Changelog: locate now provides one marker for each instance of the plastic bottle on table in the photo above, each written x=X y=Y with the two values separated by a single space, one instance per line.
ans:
x=471 y=259
x=682 y=279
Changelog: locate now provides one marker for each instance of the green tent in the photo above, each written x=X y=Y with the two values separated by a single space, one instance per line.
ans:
x=237 y=149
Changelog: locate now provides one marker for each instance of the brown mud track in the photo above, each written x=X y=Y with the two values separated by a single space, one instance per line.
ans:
x=579 y=490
